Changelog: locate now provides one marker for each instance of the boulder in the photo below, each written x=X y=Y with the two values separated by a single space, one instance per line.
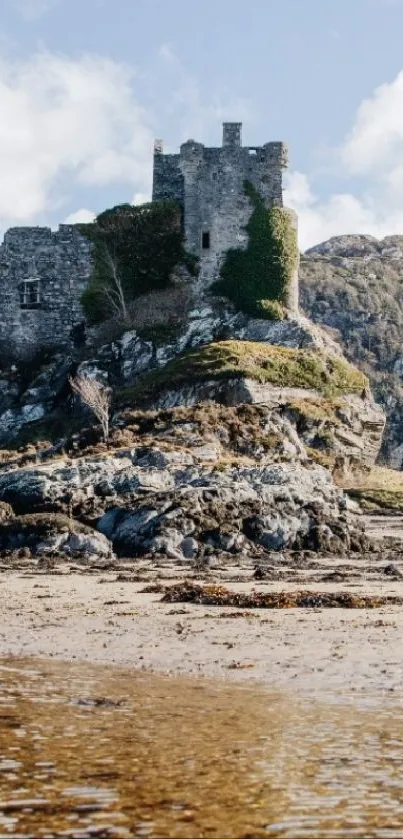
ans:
x=47 y=533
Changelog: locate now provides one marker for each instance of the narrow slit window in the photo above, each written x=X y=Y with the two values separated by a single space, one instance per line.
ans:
x=29 y=294
x=206 y=240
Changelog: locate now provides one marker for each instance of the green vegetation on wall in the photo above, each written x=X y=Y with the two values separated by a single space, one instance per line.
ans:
x=258 y=278
x=135 y=251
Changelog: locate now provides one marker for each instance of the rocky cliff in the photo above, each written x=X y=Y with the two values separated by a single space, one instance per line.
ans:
x=200 y=485
x=226 y=438
x=353 y=285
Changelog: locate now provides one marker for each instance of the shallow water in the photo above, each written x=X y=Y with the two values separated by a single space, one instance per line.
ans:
x=94 y=751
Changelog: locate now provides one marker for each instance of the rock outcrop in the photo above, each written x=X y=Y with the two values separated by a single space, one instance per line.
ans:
x=30 y=393
x=46 y=534
x=226 y=437
x=194 y=483
x=353 y=286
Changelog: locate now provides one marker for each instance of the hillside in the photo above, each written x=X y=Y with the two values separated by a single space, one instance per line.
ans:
x=354 y=286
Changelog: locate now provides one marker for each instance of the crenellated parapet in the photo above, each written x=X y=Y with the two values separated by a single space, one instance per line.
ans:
x=209 y=182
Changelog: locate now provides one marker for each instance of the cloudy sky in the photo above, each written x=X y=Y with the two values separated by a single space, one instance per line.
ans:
x=86 y=85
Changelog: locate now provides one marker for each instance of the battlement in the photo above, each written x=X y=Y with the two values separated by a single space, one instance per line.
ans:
x=14 y=236
x=167 y=167
x=209 y=183
x=232 y=134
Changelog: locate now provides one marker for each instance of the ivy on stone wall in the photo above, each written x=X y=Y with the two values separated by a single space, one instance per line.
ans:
x=137 y=247
x=258 y=278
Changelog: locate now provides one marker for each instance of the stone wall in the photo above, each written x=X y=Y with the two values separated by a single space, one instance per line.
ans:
x=209 y=183
x=43 y=273
x=167 y=178
x=42 y=277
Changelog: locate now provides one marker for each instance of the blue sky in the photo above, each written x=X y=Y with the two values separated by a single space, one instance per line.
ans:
x=85 y=86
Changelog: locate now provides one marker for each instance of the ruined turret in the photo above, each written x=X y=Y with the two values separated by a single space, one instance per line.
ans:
x=209 y=183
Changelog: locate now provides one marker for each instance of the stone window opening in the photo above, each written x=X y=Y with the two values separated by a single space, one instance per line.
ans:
x=29 y=294
x=206 y=240
x=252 y=151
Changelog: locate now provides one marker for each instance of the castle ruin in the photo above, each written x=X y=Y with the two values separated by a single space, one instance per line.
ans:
x=44 y=273
x=209 y=183
x=42 y=277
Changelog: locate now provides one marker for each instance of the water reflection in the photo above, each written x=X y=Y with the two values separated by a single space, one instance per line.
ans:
x=107 y=753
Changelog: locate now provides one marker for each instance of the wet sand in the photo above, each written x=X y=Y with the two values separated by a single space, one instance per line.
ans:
x=92 y=752
x=105 y=617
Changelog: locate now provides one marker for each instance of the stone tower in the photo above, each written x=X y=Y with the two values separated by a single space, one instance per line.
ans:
x=209 y=184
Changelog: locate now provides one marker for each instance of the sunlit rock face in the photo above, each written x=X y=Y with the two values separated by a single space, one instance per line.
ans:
x=352 y=285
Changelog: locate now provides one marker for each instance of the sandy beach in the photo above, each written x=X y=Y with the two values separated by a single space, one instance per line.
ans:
x=99 y=616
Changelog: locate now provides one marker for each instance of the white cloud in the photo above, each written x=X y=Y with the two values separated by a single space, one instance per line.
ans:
x=141 y=197
x=376 y=139
x=75 y=124
x=373 y=152
x=63 y=123
x=69 y=125
x=339 y=214
x=80 y=217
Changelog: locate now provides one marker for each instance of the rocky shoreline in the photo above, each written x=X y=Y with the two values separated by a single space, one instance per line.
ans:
x=226 y=466
x=189 y=483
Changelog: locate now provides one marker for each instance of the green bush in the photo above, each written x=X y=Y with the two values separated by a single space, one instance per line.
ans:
x=264 y=270
x=140 y=245
x=270 y=309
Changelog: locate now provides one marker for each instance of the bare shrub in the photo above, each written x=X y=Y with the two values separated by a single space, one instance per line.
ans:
x=96 y=397
x=112 y=288
x=150 y=315
x=166 y=308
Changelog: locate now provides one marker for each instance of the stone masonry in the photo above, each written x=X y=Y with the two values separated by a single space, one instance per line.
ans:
x=42 y=277
x=44 y=273
x=209 y=184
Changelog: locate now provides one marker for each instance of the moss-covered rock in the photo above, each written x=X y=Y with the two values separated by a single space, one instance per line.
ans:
x=44 y=524
x=374 y=498
x=329 y=375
